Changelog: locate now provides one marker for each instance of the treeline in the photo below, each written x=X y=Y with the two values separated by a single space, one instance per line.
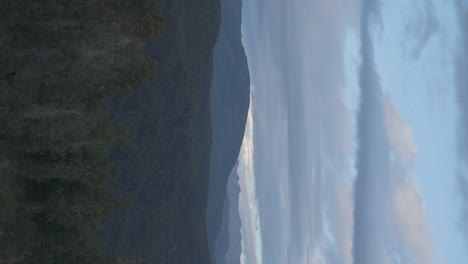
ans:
x=60 y=62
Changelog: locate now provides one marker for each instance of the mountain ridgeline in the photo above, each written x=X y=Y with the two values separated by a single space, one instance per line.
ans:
x=230 y=95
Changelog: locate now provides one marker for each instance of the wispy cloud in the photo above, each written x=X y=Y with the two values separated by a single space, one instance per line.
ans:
x=463 y=188
x=248 y=205
x=389 y=217
x=371 y=195
x=304 y=144
x=400 y=134
x=303 y=139
x=461 y=77
x=341 y=222
x=421 y=25
x=409 y=216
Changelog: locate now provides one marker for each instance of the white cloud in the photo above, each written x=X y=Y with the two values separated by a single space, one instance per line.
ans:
x=410 y=220
x=303 y=138
x=388 y=207
x=407 y=204
x=461 y=68
x=248 y=207
x=304 y=141
x=342 y=221
x=400 y=134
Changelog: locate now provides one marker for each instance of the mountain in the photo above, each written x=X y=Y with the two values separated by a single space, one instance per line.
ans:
x=230 y=91
x=164 y=168
x=105 y=106
x=228 y=241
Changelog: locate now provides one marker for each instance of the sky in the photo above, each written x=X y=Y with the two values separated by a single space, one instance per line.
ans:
x=356 y=145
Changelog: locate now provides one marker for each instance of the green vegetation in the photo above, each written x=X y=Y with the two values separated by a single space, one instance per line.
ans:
x=60 y=62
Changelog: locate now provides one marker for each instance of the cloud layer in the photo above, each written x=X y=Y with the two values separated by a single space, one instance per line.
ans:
x=461 y=77
x=248 y=205
x=372 y=187
x=303 y=139
x=389 y=216
x=400 y=135
x=301 y=191
x=410 y=220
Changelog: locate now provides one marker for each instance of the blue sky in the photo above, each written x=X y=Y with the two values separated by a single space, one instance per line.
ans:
x=300 y=186
x=423 y=90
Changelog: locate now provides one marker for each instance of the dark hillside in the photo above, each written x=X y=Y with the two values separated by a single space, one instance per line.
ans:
x=60 y=62
x=165 y=167
x=71 y=124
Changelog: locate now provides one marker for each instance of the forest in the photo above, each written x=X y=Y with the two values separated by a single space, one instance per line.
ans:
x=61 y=63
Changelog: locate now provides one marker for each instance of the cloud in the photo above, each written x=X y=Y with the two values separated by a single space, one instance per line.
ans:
x=463 y=188
x=303 y=139
x=409 y=216
x=461 y=63
x=248 y=206
x=372 y=191
x=422 y=24
x=400 y=134
x=342 y=223
x=461 y=77
x=388 y=209
x=407 y=204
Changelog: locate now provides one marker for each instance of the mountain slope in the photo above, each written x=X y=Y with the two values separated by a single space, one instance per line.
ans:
x=229 y=103
x=228 y=240
x=164 y=168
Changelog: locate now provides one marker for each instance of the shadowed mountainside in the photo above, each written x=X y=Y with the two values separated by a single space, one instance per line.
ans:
x=229 y=102
x=228 y=241
x=165 y=167
x=67 y=108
